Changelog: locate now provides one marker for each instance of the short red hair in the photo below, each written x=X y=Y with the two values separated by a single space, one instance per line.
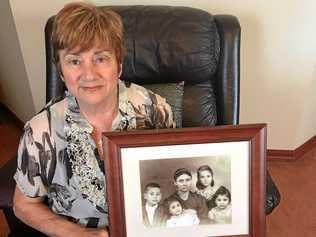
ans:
x=82 y=25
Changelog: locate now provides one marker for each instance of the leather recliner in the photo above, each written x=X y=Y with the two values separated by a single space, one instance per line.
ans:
x=167 y=44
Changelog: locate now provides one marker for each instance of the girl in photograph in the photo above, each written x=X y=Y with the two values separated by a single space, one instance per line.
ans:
x=205 y=185
x=178 y=216
x=221 y=212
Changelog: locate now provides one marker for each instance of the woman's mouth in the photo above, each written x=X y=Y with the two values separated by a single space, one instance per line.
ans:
x=91 y=88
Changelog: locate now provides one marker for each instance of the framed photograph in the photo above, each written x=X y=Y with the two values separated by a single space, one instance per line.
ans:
x=207 y=181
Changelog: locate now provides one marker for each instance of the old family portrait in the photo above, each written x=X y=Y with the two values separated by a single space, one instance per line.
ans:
x=186 y=191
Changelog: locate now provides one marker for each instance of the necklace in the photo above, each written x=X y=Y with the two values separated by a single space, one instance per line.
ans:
x=97 y=137
x=84 y=166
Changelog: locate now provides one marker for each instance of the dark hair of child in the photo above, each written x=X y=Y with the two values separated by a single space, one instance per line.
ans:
x=220 y=191
x=151 y=185
x=168 y=202
x=180 y=172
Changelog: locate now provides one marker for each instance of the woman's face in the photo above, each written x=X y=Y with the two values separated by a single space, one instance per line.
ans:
x=175 y=208
x=183 y=183
x=91 y=76
x=205 y=177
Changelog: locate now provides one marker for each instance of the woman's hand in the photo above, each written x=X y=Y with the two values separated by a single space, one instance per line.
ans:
x=211 y=215
x=34 y=213
x=81 y=231
x=94 y=233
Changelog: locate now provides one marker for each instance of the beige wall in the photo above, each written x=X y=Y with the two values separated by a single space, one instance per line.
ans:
x=30 y=18
x=278 y=59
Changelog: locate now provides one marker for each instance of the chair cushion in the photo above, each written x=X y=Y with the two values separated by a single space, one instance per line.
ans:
x=173 y=92
x=199 y=105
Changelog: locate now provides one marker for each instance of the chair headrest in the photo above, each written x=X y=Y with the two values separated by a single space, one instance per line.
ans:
x=168 y=44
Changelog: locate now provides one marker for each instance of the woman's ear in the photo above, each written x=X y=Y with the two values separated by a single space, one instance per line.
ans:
x=120 y=70
x=60 y=72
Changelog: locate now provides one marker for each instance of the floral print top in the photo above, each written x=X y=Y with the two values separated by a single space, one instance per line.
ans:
x=59 y=160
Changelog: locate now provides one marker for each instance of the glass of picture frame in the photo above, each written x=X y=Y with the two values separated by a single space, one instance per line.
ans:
x=137 y=162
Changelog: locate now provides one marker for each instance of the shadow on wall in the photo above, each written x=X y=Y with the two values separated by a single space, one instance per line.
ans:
x=1 y=90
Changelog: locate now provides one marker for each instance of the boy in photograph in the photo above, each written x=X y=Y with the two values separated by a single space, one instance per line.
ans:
x=153 y=212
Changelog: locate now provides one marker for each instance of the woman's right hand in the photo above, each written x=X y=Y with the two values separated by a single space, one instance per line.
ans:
x=211 y=215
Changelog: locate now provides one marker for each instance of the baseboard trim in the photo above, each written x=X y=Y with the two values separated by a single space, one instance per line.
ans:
x=292 y=155
x=15 y=119
x=280 y=154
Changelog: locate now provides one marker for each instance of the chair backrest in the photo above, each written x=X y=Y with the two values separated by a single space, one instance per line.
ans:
x=167 y=44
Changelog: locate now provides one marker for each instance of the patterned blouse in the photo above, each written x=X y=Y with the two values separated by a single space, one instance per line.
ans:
x=59 y=160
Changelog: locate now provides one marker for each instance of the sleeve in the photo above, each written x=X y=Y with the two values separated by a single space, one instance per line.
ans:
x=211 y=214
x=196 y=220
x=35 y=161
x=202 y=210
x=152 y=110
x=170 y=223
x=162 y=112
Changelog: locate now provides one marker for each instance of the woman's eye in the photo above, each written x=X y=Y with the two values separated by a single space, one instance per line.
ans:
x=73 y=61
x=101 y=59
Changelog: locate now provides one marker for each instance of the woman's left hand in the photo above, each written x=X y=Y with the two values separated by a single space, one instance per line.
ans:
x=96 y=233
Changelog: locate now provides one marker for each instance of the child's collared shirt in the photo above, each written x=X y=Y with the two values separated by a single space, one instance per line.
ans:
x=151 y=212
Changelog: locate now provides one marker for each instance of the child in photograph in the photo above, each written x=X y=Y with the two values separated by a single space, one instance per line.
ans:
x=205 y=183
x=153 y=212
x=179 y=216
x=221 y=213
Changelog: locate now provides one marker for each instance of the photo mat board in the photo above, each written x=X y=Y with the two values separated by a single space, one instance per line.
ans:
x=138 y=158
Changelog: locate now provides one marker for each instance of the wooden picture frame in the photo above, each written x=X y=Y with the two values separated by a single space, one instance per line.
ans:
x=238 y=154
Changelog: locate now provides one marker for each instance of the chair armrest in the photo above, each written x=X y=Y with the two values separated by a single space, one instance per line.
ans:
x=273 y=196
x=7 y=184
x=228 y=70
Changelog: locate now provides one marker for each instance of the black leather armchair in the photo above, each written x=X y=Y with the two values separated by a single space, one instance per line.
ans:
x=167 y=45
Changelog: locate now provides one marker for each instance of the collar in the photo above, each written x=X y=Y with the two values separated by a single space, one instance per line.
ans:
x=151 y=207
x=73 y=114
x=124 y=120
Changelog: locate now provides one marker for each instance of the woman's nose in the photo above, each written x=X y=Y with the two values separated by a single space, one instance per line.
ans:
x=89 y=71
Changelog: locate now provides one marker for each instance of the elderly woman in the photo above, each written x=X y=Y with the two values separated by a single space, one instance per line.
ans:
x=60 y=155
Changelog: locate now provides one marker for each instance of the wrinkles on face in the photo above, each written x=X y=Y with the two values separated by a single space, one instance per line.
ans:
x=91 y=76
x=183 y=183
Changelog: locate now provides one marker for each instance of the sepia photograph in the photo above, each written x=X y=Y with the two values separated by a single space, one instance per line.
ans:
x=184 y=192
